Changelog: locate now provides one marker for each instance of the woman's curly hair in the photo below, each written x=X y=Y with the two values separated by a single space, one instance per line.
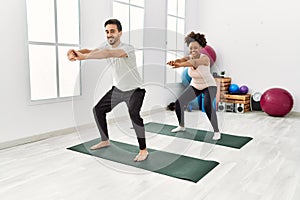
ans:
x=192 y=37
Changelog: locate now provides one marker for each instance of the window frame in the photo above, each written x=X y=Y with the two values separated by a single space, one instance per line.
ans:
x=56 y=45
x=129 y=4
x=176 y=50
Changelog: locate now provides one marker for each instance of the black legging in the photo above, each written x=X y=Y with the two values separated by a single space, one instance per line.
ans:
x=134 y=100
x=191 y=93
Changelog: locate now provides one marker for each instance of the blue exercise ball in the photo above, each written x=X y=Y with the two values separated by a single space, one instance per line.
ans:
x=186 y=79
x=214 y=103
x=234 y=89
x=195 y=104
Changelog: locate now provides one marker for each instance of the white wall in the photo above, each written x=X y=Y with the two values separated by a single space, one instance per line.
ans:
x=257 y=42
x=96 y=79
x=19 y=117
x=22 y=119
x=154 y=56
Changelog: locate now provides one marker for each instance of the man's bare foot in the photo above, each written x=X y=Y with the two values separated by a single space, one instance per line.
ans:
x=143 y=155
x=100 y=145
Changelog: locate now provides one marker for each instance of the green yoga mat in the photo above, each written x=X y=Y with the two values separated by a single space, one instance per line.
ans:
x=198 y=135
x=170 y=164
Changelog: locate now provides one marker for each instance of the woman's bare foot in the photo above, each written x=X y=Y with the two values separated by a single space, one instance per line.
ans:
x=100 y=145
x=143 y=155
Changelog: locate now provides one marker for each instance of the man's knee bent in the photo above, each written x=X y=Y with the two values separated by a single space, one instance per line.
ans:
x=98 y=111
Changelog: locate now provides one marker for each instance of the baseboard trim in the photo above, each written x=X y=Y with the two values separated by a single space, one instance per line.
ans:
x=65 y=131
x=36 y=138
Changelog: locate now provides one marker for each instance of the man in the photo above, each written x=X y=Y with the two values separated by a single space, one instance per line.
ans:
x=126 y=84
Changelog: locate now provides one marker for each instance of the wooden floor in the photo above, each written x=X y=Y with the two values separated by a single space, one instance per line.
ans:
x=267 y=168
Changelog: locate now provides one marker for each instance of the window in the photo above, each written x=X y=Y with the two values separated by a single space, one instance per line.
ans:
x=53 y=28
x=131 y=15
x=175 y=37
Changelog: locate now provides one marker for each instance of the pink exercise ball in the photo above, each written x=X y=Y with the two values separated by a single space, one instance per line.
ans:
x=276 y=102
x=210 y=52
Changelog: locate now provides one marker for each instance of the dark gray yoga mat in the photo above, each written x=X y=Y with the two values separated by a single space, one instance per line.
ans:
x=170 y=164
x=227 y=140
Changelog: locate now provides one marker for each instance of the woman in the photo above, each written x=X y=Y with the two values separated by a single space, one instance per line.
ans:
x=202 y=82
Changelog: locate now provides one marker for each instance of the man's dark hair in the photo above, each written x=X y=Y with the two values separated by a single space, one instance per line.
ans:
x=114 y=21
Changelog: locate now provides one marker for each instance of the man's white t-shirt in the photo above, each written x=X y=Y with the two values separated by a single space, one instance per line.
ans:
x=124 y=70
